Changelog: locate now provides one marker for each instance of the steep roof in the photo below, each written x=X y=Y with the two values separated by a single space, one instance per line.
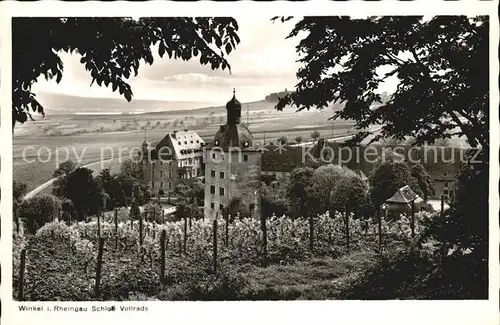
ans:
x=285 y=161
x=404 y=195
x=233 y=135
x=182 y=144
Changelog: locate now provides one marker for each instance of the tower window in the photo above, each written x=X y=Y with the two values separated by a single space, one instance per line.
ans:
x=221 y=191
x=169 y=174
x=212 y=173
x=213 y=156
x=212 y=189
x=222 y=175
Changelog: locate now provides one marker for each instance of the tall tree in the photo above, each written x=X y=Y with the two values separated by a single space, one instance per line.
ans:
x=424 y=180
x=113 y=188
x=439 y=65
x=84 y=191
x=350 y=192
x=61 y=174
x=388 y=178
x=304 y=201
x=18 y=192
x=274 y=199
x=111 y=50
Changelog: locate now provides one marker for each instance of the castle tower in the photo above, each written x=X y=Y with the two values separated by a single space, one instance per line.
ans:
x=232 y=168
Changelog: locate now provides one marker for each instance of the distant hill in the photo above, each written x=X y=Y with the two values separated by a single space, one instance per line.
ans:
x=274 y=97
x=61 y=104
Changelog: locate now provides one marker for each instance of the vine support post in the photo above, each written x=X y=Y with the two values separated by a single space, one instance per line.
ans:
x=311 y=233
x=263 y=226
x=141 y=229
x=347 y=234
x=185 y=235
x=22 y=267
x=116 y=228
x=99 y=268
x=226 y=219
x=215 y=244
x=442 y=205
x=162 y=257
x=412 y=226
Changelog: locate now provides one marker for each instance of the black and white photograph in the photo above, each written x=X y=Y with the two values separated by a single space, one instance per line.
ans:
x=251 y=158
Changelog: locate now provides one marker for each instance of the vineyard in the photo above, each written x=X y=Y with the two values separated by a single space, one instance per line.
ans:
x=189 y=259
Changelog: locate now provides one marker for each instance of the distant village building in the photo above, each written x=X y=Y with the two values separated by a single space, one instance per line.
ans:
x=232 y=167
x=178 y=156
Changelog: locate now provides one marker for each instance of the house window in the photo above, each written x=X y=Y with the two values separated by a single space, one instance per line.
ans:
x=169 y=174
x=212 y=173
x=161 y=174
x=221 y=206
x=251 y=207
x=221 y=191
x=222 y=175
x=212 y=189
x=212 y=205
x=185 y=142
x=179 y=143
x=445 y=192
x=152 y=184
x=446 y=184
x=245 y=157
x=161 y=184
x=153 y=173
x=169 y=185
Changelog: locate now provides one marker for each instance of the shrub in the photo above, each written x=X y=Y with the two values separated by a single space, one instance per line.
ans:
x=38 y=210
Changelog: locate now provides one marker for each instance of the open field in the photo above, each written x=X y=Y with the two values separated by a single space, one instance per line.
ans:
x=123 y=132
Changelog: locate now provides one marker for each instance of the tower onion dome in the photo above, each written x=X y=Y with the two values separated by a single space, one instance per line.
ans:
x=233 y=134
x=233 y=108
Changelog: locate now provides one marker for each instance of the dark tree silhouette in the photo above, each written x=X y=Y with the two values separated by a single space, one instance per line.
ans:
x=440 y=65
x=111 y=50
x=61 y=173
x=84 y=191
x=113 y=188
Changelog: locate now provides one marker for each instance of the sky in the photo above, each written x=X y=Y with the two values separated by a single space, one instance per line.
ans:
x=263 y=62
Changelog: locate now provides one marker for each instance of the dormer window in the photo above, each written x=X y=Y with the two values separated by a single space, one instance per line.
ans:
x=185 y=142
x=179 y=143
